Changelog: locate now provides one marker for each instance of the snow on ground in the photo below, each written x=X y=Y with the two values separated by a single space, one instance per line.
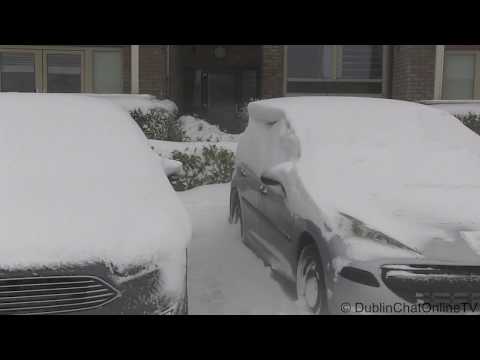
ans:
x=224 y=276
x=200 y=130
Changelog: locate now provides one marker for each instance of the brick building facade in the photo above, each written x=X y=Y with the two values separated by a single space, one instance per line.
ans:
x=215 y=81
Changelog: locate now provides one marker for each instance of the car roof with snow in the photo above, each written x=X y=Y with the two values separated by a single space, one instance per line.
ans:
x=326 y=120
x=309 y=108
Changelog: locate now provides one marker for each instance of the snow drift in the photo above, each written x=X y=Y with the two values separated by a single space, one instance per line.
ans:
x=80 y=184
x=405 y=169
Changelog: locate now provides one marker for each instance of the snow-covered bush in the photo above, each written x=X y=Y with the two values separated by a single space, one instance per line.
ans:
x=200 y=130
x=160 y=124
x=471 y=120
x=213 y=165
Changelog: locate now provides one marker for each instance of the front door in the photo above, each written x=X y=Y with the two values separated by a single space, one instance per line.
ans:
x=222 y=99
x=219 y=95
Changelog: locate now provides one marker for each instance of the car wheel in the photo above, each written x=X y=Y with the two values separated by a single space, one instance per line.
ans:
x=311 y=290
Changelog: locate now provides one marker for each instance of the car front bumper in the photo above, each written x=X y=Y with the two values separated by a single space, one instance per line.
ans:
x=416 y=289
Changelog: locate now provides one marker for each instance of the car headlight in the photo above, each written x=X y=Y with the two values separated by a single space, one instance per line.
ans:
x=361 y=230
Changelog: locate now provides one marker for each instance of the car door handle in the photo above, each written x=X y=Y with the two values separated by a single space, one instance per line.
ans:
x=263 y=190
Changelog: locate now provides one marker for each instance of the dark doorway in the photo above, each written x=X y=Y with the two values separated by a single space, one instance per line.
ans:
x=219 y=96
x=221 y=99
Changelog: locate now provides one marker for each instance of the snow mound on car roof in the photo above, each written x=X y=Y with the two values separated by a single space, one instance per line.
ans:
x=80 y=184
x=373 y=159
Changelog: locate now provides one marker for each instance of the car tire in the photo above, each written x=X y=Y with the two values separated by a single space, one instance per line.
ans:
x=311 y=289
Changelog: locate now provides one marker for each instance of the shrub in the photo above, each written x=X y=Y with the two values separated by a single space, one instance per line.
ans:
x=160 y=124
x=213 y=165
x=243 y=116
x=471 y=121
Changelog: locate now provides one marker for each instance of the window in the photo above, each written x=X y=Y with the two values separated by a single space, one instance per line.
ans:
x=64 y=73
x=107 y=72
x=310 y=62
x=461 y=80
x=17 y=72
x=61 y=69
x=335 y=69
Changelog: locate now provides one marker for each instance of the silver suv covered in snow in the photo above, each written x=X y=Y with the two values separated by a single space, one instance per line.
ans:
x=368 y=205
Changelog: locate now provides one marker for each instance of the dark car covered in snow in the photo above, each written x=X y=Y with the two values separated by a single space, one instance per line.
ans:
x=89 y=222
x=367 y=205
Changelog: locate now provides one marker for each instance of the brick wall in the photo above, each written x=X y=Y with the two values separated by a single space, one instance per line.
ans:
x=272 y=71
x=237 y=56
x=413 y=72
x=153 y=80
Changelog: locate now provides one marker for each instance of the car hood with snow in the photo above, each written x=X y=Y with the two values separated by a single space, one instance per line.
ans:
x=407 y=170
x=81 y=185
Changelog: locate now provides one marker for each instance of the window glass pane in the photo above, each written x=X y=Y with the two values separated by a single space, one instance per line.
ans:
x=107 y=72
x=459 y=76
x=335 y=87
x=361 y=62
x=310 y=61
x=17 y=72
x=64 y=73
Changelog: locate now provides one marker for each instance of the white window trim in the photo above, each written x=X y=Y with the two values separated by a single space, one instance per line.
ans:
x=439 y=68
x=336 y=74
x=135 y=68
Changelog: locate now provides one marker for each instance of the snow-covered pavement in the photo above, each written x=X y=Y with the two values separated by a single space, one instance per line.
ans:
x=224 y=276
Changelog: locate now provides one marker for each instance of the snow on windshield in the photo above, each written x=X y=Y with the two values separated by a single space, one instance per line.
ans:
x=367 y=157
x=81 y=184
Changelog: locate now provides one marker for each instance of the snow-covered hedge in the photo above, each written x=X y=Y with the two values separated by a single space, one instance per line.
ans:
x=203 y=163
x=160 y=124
x=207 y=154
x=200 y=130
x=211 y=165
x=471 y=120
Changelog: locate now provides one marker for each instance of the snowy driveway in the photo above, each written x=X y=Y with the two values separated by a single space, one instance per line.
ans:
x=224 y=276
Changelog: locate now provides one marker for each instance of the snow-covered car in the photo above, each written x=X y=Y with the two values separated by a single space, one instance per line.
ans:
x=368 y=205
x=89 y=223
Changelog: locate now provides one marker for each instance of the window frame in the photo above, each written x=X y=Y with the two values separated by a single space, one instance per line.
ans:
x=40 y=53
x=337 y=59
x=476 y=75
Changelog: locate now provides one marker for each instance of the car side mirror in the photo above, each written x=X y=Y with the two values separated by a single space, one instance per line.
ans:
x=269 y=180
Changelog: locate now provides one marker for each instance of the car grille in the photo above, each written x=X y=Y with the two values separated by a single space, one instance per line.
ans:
x=434 y=284
x=56 y=294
